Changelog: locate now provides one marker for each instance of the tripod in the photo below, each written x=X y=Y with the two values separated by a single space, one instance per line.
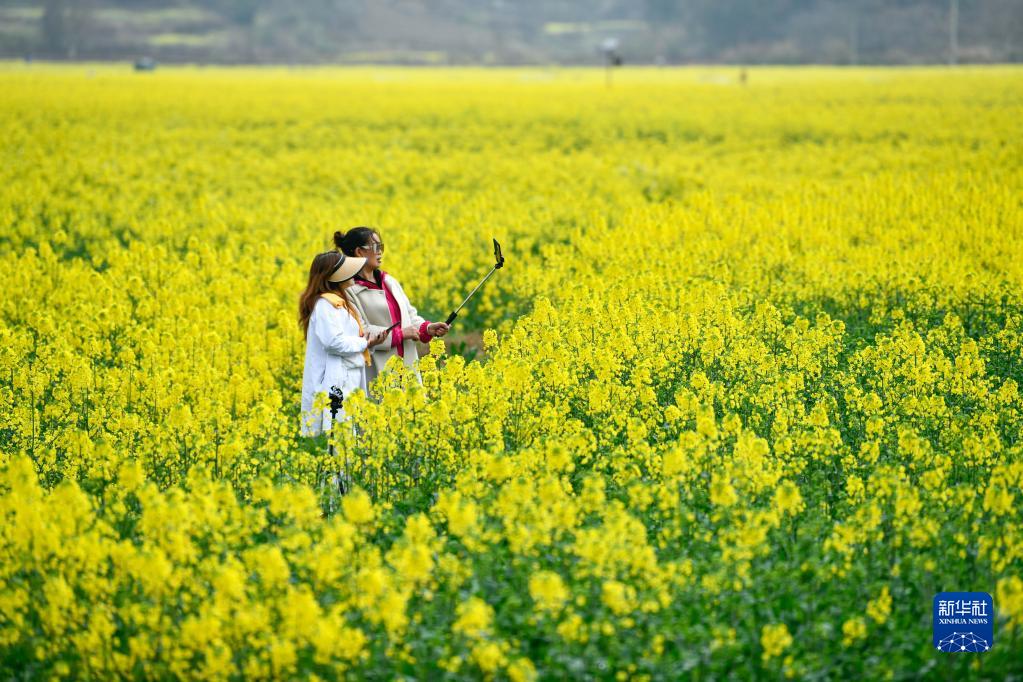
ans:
x=336 y=400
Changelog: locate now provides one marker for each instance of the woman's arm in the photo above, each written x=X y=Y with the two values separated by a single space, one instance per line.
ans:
x=330 y=330
x=415 y=319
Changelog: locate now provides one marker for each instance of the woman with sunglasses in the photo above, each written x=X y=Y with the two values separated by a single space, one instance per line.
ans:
x=382 y=302
x=337 y=347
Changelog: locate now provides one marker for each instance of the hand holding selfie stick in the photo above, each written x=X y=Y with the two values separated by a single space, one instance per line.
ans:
x=499 y=263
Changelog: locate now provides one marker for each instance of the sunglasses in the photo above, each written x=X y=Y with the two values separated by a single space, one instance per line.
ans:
x=375 y=247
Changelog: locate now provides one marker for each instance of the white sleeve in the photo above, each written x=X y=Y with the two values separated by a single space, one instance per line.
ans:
x=328 y=325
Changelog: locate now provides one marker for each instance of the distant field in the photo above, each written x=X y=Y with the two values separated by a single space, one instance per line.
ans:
x=744 y=398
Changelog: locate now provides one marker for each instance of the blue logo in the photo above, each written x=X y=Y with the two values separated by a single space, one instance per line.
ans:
x=963 y=621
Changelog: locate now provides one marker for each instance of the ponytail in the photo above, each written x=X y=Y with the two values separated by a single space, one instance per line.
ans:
x=352 y=239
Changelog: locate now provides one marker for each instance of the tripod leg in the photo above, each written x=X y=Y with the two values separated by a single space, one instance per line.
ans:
x=337 y=480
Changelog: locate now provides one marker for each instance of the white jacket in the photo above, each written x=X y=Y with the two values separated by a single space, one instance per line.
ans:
x=371 y=305
x=333 y=357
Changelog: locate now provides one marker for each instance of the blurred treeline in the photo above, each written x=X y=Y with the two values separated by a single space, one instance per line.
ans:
x=516 y=31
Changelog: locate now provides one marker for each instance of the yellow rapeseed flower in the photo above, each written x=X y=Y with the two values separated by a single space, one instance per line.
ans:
x=854 y=630
x=473 y=618
x=548 y=590
x=774 y=639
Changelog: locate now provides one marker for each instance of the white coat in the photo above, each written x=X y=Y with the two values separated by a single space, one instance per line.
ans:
x=333 y=357
x=376 y=316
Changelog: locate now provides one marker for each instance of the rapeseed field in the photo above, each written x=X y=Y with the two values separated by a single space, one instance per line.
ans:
x=743 y=399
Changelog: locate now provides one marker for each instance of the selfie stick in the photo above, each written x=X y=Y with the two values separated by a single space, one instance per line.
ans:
x=500 y=262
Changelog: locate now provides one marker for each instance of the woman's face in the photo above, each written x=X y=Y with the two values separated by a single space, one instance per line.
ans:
x=372 y=251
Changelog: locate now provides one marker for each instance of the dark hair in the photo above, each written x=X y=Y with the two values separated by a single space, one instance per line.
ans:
x=322 y=267
x=353 y=239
